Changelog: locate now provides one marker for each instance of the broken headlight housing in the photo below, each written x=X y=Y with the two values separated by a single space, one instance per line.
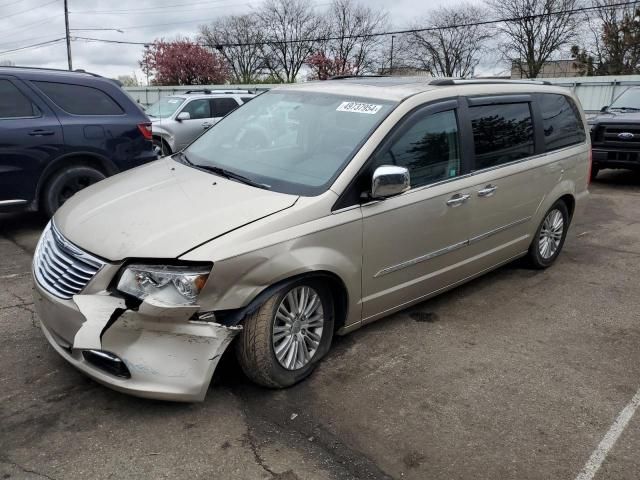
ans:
x=174 y=285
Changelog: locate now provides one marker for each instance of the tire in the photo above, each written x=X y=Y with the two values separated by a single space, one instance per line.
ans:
x=161 y=147
x=594 y=172
x=549 y=239
x=256 y=346
x=64 y=183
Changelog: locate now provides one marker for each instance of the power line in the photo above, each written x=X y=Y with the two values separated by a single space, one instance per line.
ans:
x=29 y=9
x=164 y=7
x=380 y=34
x=35 y=45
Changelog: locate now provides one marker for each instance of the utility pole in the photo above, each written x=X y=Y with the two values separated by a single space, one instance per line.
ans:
x=66 y=27
x=390 y=60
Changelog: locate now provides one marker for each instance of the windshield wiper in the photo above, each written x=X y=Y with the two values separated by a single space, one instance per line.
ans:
x=232 y=175
x=630 y=109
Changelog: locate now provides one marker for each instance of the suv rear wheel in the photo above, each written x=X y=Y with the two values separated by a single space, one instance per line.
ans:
x=65 y=183
x=284 y=340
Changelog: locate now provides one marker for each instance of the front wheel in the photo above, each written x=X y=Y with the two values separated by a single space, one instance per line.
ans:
x=283 y=341
x=549 y=237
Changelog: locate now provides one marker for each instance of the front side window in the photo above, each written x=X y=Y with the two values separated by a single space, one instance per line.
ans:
x=221 y=107
x=80 y=100
x=165 y=107
x=198 y=109
x=293 y=141
x=429 y=149
x=561 y=122
x=13 y=104
x=502 y=133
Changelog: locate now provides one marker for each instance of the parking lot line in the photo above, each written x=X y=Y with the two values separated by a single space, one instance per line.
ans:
x=600 y=453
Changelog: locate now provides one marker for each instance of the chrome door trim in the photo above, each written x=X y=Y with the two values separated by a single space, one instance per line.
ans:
x=4 y=203
x=495 y=231
x=421 y=258
x=448 y=249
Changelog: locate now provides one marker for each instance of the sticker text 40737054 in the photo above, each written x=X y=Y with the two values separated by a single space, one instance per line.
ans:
x=358 y=107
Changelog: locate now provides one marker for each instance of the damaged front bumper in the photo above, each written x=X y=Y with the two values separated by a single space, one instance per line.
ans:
x=163 y=354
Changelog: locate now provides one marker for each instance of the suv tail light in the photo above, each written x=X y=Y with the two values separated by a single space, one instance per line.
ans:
x=145 y=130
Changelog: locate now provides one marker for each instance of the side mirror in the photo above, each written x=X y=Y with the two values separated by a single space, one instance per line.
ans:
x=183 y=116
x=604 y=109
x=389 y=180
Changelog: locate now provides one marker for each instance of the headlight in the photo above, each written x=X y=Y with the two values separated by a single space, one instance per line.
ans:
x=167 y=284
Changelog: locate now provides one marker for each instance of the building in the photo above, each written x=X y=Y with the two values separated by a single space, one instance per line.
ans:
x=551 y=69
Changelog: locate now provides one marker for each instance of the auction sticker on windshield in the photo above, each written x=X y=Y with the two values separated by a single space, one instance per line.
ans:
x=357 y=107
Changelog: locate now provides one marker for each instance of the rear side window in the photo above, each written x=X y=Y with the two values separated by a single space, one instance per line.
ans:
x=429 y=149
x=561 y=122
x=13 y=104
x=223 y=106
x=80 y=100
x=502 y=133
x=245 y=99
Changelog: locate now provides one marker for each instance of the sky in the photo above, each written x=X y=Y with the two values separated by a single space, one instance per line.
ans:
x=28 y=22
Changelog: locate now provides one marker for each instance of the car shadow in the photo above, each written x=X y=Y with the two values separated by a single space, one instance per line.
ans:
x=617 y=178
x=15 y=224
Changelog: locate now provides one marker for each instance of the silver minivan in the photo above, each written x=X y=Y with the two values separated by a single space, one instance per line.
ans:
x=313 y=210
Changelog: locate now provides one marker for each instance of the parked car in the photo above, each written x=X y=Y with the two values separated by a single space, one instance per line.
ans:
x=615 y=133
x=387 y=192
x=62 y=131
x=179 y=119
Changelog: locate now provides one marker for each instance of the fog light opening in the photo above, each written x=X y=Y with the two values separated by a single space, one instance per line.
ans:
x=108 y=362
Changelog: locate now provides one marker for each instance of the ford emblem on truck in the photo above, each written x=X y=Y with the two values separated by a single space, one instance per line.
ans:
x=625 y=135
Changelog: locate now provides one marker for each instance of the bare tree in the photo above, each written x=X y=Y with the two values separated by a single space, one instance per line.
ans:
x=289 y=28
x=540 y=29
x=238 y=38
x=450 y=50
x=616 y=39
x=353 y=48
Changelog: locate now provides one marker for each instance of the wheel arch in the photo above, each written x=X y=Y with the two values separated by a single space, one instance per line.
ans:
x=336 y=285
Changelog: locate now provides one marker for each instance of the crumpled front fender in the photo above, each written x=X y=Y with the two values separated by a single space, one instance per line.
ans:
x=168 y=355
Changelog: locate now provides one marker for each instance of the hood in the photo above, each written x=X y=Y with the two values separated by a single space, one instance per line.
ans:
x=615 y=117
x=161 y=210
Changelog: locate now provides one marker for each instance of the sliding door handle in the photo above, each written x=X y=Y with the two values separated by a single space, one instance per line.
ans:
x=458 y=199
x=487 y=191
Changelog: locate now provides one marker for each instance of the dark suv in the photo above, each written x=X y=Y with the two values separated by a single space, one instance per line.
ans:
x=61 y=131
x=615 y=133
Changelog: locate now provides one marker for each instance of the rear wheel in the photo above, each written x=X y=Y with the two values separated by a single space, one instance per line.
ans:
x=549 y=238
x=65 y=183
x=284 y=340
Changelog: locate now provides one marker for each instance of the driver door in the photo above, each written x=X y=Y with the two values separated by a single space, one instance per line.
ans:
x=414 y=244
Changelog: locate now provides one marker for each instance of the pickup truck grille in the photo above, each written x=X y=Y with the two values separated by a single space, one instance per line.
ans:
x=618 y=136
x=60 y=267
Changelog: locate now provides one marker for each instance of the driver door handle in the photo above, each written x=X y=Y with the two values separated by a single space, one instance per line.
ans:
x=207 y=124
x=41 y=133
x=487 y=191
x=458 y=199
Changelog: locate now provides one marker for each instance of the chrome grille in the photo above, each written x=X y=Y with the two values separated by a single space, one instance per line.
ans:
x=60 y=267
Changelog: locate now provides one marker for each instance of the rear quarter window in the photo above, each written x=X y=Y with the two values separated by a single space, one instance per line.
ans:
x=79 y=99
x=561 y=121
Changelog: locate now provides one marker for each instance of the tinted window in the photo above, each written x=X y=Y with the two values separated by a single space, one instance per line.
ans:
x=429 y=149
x=80 y=100
x=501 y=133
x=198 y=109
x=13 y=103
x=222 y=106
x=245 y=99
x=562 y=125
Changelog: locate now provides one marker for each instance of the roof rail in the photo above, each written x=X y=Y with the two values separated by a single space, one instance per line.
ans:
x=483 y=81
x=78 y=70
x=208 y=91
x=201 y=90
x=343 y=77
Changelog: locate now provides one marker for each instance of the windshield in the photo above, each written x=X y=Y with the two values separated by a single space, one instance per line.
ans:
x=165 y=107
x=291 y=141
x=628 y=100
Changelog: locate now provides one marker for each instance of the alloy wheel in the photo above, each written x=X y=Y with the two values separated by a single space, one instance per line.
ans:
x=551 y=234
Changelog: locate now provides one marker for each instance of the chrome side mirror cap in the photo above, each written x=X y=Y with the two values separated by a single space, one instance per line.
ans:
x=183 y=116
x=389 y=180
